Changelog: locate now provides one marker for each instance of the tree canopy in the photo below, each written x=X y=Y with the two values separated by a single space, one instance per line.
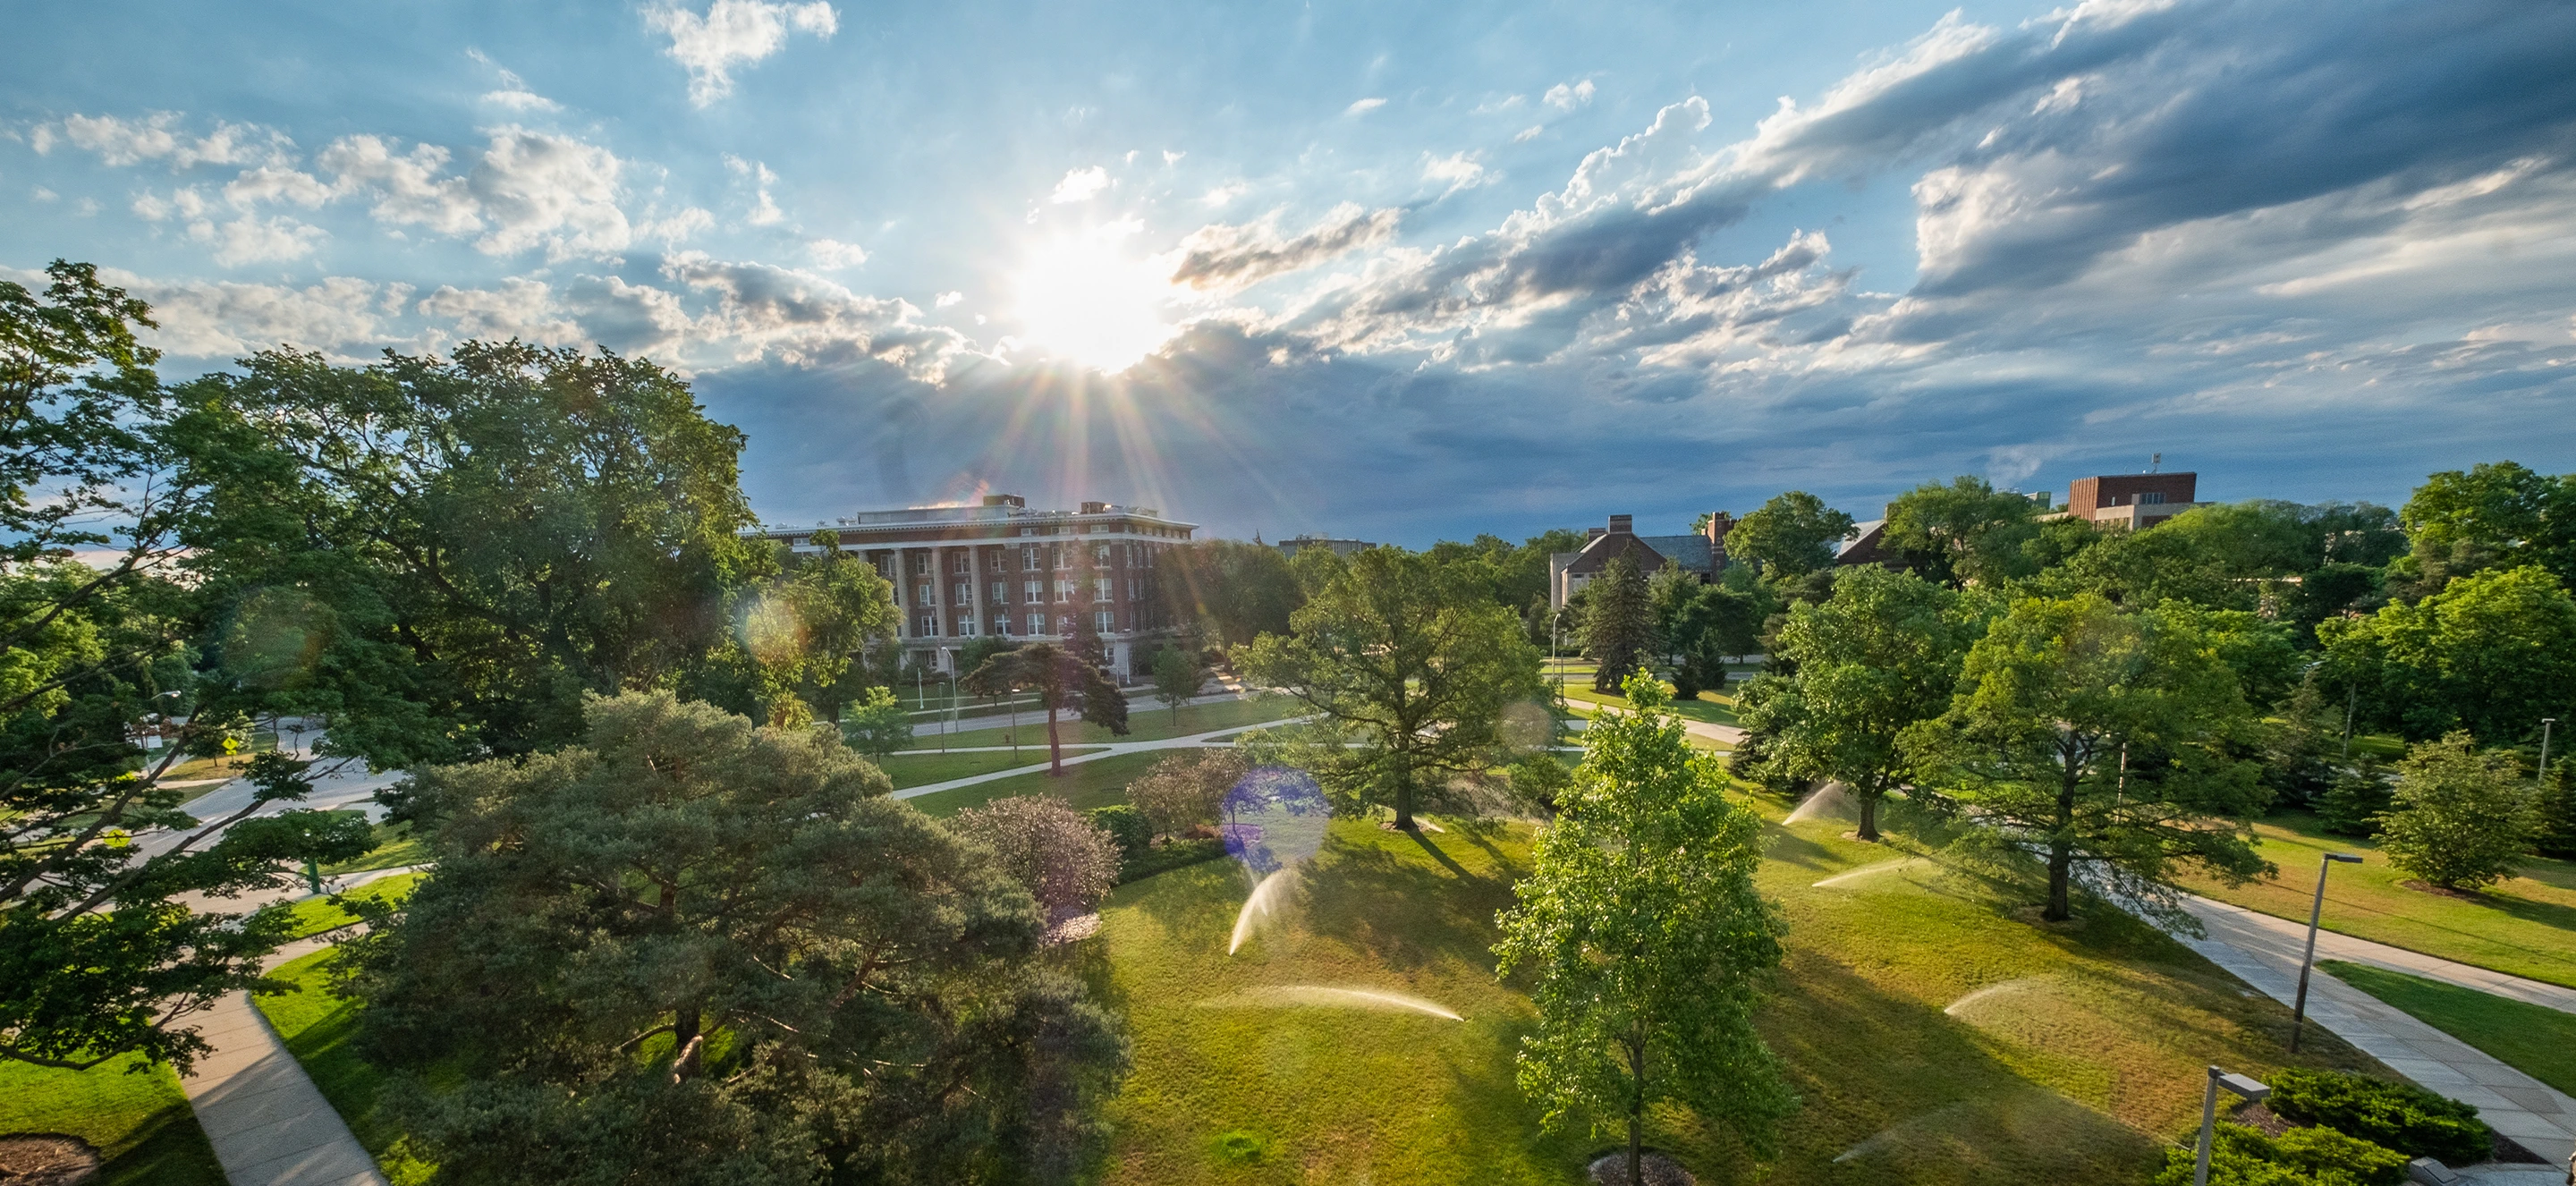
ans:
x=1618 y=624
x=2492 y=653
x=1792 y=534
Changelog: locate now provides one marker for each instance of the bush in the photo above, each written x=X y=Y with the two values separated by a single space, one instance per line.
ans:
x=2351 y=807
x=2459 y=817
x=1128 y=827
x=2401 y=1116
x=1172 y=855
x=1067 y=864
x=2242 y=1156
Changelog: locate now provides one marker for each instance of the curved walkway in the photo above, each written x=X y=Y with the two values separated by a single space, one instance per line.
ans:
x=269 y=1125
x=2264 y=952
x=1110 y=750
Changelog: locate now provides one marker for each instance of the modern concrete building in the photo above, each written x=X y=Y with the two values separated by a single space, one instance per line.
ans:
x=1703 y=555
x=1000 y=569
x=2131 y=500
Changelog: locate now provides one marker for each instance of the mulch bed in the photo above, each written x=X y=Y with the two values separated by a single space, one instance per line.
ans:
x=1611 y=1169
x=46 y=1160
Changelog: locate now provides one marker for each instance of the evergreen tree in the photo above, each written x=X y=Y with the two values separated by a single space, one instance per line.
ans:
x=1640 y=923
x=1062 y=681
x=1618 y=624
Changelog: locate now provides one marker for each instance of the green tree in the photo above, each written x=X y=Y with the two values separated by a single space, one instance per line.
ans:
x=692 y=950
x=1177 y=678
x=806 y=630
x=2458 y=818
x=2554 y=811
x=98 y=957
x=2100 y=736
x=1961 y=532
x=2492 y=653
x=1407 y=661
x=1065 y=861
x=1062 y=681
x=877 y=724
x=468 y=545
x=2222 y=556
x=1790 y=536
x=1618 y=624
x=1881 y=654
x=2496 y=515
x=1646 y=939
x=1716 y=624
x=1227 y=591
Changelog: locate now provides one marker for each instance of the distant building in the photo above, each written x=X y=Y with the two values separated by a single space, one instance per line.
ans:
x=1702 y=555
x=2130 y=500
x=1002 y=570
x=1341 y=547
x=1865 y=546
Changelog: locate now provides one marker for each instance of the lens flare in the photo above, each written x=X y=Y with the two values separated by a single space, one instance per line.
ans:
x=1084 y=300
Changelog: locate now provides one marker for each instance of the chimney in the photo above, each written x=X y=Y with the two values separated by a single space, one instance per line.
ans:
x=1623 y=524
x=1593 y=533
x=1095 y=508
x=1719 y=523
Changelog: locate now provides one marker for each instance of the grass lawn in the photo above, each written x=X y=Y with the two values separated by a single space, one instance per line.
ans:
x=139 y=1121
x=318 y=1028
x=914 y=768
x=1146 y=721
x=1933 y=1035
x=2525 y=926
x=2534 y=1039
x=395 y=848
x=316 y=915
x=1089 y=785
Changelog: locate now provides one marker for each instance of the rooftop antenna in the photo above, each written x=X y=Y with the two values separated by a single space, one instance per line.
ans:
x=2155 y=463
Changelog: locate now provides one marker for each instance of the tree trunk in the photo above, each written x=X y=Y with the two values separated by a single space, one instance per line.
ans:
x=2061 y=852
x=1404 y=796
x=1055 y=746
x=1869 y=816
x=1637 y=1116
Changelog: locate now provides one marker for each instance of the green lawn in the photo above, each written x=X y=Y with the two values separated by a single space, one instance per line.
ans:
x=396 y=847
x=319 y=1029
x=1146 y=721
x=914 y=768
x=139 y=1120
x=1091 y=784
x=2537 y=1040
x=2525 y=926
x=316 y=915
x=2083 y=1054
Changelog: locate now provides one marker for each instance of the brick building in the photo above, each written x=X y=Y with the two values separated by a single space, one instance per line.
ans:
x=1702 y=555
x=1002 y=570
x=2131 y=500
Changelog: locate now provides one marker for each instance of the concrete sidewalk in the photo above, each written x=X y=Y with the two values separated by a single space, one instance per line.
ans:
x=2264 y=952
x=269 y=1125
x=2332 y=945
x=1110 y=750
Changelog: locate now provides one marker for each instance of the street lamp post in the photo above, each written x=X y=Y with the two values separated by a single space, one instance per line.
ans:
x=2239 y=1084
x=2546 y=724
x=2316 y=910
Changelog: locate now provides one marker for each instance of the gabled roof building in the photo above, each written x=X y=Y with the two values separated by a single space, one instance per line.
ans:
x=1703 y=555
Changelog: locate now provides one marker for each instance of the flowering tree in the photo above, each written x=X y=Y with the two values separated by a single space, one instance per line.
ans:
x=1066 y=863
x=1184 y=787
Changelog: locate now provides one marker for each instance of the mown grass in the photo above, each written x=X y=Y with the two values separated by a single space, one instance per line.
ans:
x=913 y=768
x=2525 y=926
x=320 y=1030
x=2537 y=1040
x=1146 y=721
x=139 y=1120
x=1091 y=784
x=316 y=915
x=396 y=846
x=2086 y=1053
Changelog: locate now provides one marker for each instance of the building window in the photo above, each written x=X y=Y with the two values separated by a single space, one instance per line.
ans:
x=1064 y=590
x=1104 y=621
x=2150 y=498
x=1064 y=623
x=1100 y=554
x=966 y=626
x=927 y=626
x=965 y=592
x=921 y=564
x=1100 y=589
x=1037 y=623
x=1063 y=556
x=1001 y=592
x=922 y=596
x=1033 y=591
x=959 y=562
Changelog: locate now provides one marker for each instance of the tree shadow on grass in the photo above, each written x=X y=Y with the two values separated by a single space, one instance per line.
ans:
x=1446 y=861
x=1404 y=912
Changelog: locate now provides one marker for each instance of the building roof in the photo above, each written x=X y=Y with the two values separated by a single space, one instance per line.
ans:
x=1689 y=551
x=1863 y=545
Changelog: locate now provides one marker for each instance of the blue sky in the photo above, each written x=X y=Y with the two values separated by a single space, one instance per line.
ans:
x=1372 y=270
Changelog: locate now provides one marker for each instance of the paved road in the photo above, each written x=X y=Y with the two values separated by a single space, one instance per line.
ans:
x=1111 y=750
x=2264 y=952
x=1033 y=716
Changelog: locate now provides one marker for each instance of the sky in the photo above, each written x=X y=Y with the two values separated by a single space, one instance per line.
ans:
x=1390 y=272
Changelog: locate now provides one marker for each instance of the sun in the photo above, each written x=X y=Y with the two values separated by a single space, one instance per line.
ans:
x=1082 y=299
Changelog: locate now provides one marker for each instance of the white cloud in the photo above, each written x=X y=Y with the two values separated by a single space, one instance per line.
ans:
x=1528 y=134
x=764 y=210
x=408 y=187
x=1230 y=257
x=251 y=239
x=1364 y=106
x=85 y=207
x=675 y=228
x=274 y=183
x=733 y=33
x=946 y=299
x=159 y=136
x=539 y=189
x=764 y=311
x=1079 y=185
x=225 y=320
x=834 y=254
x=1224 y=195
x=520 y=308
x=1459 y=170
x=1568 y=96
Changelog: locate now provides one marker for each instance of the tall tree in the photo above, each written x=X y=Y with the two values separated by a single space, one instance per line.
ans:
x=1647 y=940
x=2493 y=653
x=1062 y=681
x=97 y=958
x=461 y=548
x=1881 y=654
x=1716 y=624
x=1227 y=591
x=692 y=950
x=1177 y=678
x=1963 y=531
x=2496 y=515
x=1790 y=536
x=2458 y=818
x=877 y=724
x=806 y=630
x=2099 y=736
x=1618 y=624
x=1409 y=663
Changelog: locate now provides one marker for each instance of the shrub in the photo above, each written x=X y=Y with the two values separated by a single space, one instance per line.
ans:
x=1126 y=826
x=2459 y=818
x=2243 y=1156
x=1184 y=787
x=2401 y=1116
x=2352 y=805
x=2238 y=1156
x=2323 y=1152
x=1066 y=864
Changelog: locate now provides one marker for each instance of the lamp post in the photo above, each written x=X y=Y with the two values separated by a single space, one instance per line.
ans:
x=2299 y=1010
x=2546 y=724
x=2239 y=1084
